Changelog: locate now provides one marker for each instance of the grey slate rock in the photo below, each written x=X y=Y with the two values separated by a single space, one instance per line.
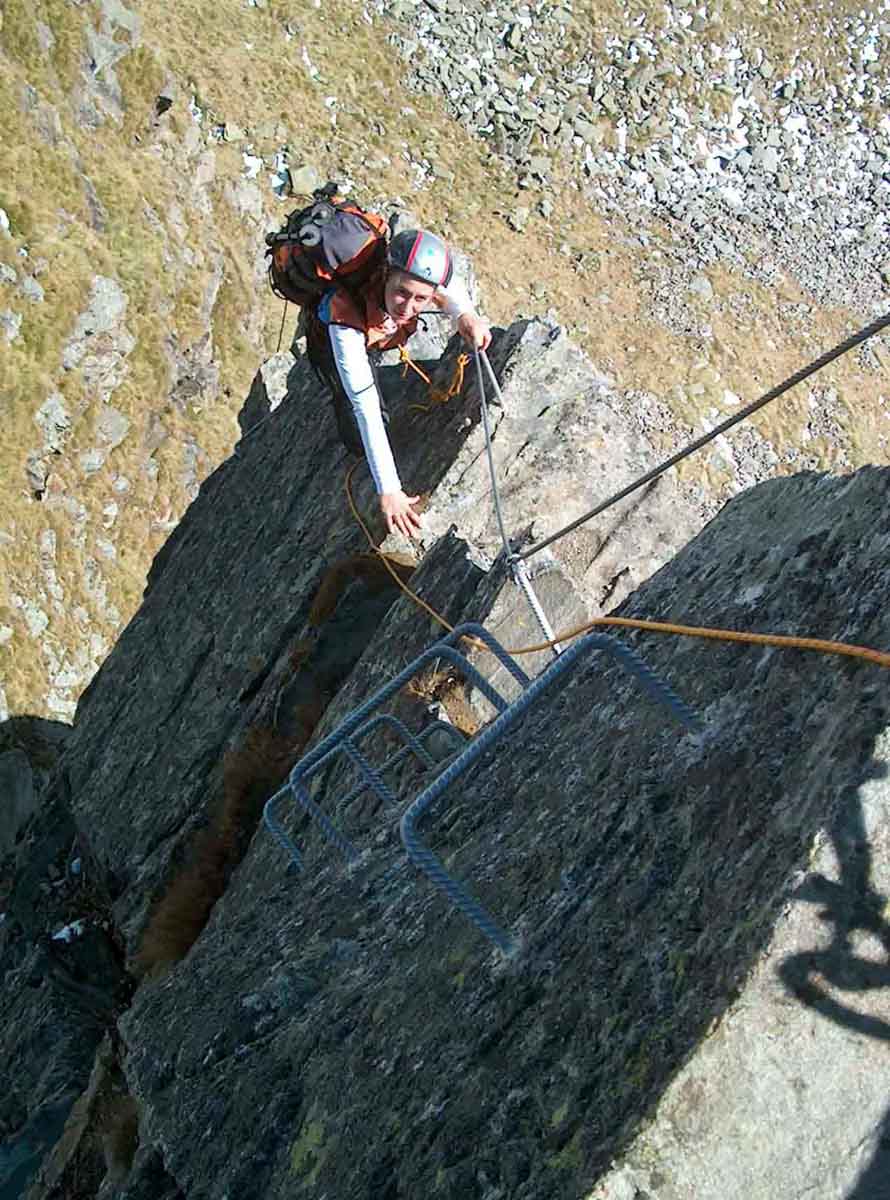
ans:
x=10 y=323
x=17 y=799
x=289 y=468
x=32 y=289
x=646 y=870
x=659 y=88
x=701 y=286
x=57 y=997
x=586 y=130
x=268 y=389
x=304 y=180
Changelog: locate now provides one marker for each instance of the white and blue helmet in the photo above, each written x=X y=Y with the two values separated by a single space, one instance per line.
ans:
x=421 y=255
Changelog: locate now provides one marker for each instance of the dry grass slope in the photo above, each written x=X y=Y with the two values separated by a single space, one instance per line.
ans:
x=155 y=205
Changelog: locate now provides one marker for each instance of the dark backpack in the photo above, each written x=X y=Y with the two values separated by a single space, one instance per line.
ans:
x=330 y=241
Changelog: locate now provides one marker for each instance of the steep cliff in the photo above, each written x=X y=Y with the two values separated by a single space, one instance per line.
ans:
x=701 y=914
x=686 y=192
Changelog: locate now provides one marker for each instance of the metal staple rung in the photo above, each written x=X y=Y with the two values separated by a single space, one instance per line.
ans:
x=414 y=744
x=419 y=852
x=356 y=726
x=345 y=738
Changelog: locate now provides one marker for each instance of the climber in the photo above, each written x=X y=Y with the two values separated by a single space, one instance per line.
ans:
x=347 y=332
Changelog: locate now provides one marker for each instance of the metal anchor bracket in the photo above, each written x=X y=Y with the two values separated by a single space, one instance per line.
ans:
x=521 y=578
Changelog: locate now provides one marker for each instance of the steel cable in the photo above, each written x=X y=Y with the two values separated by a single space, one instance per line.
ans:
x=773 y=394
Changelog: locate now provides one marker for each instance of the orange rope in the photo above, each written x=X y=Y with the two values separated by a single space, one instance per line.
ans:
x=406 y=360
x=437 y=395
x=358 y=516
x=878 y=657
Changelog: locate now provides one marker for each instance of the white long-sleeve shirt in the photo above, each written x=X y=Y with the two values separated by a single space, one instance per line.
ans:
x=354 y=369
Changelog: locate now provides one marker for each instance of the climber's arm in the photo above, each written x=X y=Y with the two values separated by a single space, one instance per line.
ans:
x=357 y=378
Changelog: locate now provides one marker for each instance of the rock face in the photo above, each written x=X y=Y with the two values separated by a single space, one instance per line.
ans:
x=17 y=790
x=29 y=751
x=647 y=871
x=562 y=443
x=278 y=501
x=48 y=1017
x=687 y=904
x=742 y=164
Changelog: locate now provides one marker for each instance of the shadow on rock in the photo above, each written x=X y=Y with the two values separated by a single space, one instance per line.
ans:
x=816 y=977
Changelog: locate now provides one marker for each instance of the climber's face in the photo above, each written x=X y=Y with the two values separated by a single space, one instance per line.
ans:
x=405 y=297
